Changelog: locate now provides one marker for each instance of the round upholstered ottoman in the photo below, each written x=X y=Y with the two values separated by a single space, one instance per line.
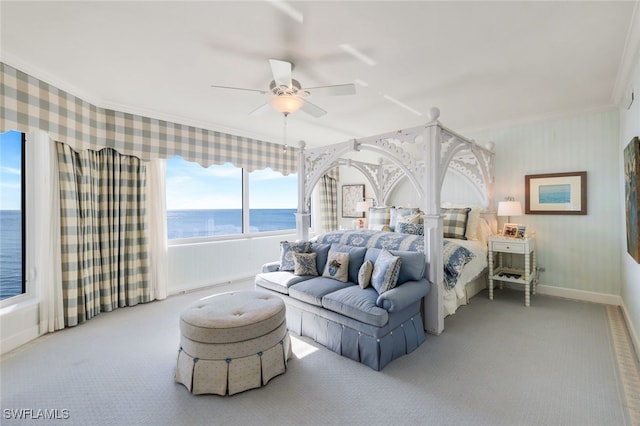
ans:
x=232 y=342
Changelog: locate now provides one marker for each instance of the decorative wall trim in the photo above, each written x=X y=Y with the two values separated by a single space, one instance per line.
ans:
x=632 y=330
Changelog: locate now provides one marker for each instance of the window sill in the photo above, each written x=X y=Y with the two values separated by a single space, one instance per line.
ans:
x=17 y=303
x=223 y=238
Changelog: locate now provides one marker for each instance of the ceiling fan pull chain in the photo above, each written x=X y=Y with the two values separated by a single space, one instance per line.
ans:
x=285 y=131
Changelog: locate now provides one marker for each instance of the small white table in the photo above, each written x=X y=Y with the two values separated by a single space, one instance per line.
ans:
x=501 y=273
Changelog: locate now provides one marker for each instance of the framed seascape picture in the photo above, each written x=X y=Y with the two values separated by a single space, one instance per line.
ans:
x=556 y=193
x=632 y=196
x=351 y=194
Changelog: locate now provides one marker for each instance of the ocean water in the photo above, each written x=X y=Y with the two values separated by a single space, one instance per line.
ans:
x=207 y=223
x=10 y=253
x=180 y=224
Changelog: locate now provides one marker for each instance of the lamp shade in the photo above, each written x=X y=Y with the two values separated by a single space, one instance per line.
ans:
x=509 y=208
x=363 y=206
x=286 y=104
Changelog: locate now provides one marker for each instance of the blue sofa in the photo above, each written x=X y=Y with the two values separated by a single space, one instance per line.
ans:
x=359 y=323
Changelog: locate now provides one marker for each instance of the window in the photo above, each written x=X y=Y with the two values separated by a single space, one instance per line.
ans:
x=214 y=201
x=12 y=223
x=272 y=201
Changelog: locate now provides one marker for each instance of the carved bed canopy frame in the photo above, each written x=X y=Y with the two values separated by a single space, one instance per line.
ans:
x=421 y=154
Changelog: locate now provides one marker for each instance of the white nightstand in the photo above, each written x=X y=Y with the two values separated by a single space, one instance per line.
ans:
x=501 y=273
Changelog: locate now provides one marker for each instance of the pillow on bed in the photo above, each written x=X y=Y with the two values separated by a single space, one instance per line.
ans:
x=398 y=214
x=410 y=228
x=305 y=264
x=455 y=222
x=337 y=266
x=385 y=273
x=472 y=232
x=379 y=217
x=286 y=253
x=454 y=259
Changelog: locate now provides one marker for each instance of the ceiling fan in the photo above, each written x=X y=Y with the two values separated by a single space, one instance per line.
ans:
x=286 y=95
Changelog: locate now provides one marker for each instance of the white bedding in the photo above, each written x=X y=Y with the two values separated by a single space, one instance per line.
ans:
x=456 y=296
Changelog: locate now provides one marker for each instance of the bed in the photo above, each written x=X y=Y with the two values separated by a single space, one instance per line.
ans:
x=423 y=156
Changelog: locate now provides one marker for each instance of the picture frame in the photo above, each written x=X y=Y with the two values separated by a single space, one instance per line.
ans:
x=631 y=159
x=556 y=193
x=514 y=230
x=351 y=195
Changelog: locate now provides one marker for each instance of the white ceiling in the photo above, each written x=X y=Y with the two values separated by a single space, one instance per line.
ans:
x=482 y=63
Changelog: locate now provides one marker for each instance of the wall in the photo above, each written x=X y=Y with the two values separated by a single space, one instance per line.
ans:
x=200 y=265
x=630 y=270
x=580 y=254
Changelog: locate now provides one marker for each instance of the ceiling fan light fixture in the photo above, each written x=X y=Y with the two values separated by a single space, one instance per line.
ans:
x=286 y=104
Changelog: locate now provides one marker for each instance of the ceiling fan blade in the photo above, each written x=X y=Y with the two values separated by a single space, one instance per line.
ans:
x=281 y=72
x=239 y=88
x=261 y=109
x=312 y=109
x=334 y=90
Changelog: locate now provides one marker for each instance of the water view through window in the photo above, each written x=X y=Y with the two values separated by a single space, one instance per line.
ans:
x=206 y=202
x=11 y=215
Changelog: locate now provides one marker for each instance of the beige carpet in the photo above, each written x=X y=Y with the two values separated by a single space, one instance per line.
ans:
x=497 y=363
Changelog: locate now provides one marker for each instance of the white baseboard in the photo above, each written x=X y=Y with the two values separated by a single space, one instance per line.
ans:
x=188 y=288
x=25 y=336
x=585 y=296
x=632 y=331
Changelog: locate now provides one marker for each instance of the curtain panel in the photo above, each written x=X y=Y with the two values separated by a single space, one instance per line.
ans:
x=328 y=204
x=103 y=232
x=30 y=104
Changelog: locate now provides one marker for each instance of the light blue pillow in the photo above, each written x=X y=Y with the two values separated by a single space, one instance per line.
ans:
x=286 y=253
x=386 y=269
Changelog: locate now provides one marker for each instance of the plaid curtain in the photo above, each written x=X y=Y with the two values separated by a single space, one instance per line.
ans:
x=103 y=232
x=29 y=104
x=328 y=204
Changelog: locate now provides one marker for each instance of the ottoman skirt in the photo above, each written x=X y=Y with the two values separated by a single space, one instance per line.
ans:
x=232 y=342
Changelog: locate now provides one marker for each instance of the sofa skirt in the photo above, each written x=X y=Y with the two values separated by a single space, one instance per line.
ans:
x=358 y=345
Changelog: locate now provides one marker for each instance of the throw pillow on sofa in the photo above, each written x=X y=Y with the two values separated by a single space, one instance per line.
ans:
x=337 y=266
x=385 y=273
x=305 y=264
x=286 y=253
x=364 y=275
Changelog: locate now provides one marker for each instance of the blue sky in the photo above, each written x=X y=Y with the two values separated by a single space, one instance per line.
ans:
x=191 y=186
x=10 y=166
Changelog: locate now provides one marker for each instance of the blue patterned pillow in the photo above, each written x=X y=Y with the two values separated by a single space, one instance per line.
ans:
x=385 y=273
x=410 y=228
x=305 y=264
x=286 y=253
x=454 y=223
x=454 y=257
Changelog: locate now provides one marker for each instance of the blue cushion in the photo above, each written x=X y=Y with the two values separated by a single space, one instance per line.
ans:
x=410 y=228
x=356 y=258
x=313 y=290
x=386 y=269
x=279 y=281
x=321 y=251
x=356 y=303
x=412 y=263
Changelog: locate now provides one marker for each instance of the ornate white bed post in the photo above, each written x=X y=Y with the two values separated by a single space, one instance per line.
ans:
x=433 y=311
x=302 y=216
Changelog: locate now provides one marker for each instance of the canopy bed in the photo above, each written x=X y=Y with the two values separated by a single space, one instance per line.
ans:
x=423 y=155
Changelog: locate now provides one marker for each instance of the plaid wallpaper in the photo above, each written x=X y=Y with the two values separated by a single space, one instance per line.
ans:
x=29 y=104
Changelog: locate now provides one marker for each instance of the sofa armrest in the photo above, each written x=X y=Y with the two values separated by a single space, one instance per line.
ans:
x=271 y=266
x=402 y=296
